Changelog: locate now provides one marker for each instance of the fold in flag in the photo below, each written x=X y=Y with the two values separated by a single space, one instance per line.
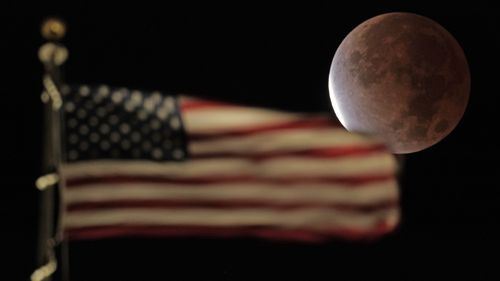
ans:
x=145 y=164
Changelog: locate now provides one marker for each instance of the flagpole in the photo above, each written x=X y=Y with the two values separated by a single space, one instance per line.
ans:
x=52 y=54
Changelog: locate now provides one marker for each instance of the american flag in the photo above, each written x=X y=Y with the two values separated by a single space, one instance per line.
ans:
x=140 y=163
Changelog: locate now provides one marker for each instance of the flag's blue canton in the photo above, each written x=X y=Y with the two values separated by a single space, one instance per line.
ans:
x=107 y=123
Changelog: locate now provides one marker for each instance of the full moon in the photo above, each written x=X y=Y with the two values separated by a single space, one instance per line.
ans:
x=402 y=78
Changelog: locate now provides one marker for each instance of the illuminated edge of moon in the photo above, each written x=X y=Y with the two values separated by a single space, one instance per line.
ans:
x=334 y=103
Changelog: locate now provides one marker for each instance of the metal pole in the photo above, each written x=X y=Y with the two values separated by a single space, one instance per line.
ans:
x=52 y=55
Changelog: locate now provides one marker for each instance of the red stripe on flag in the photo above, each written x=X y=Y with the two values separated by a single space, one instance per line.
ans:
x=309 y=123
x=330 y=152
x=234 y=204
x=201 y=181
x=188 y=105
x=227 y=232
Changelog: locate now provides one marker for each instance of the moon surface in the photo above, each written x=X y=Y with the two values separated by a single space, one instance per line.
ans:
x=402 y=78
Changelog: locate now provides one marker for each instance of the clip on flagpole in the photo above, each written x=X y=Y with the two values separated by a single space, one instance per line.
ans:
x=52 y=54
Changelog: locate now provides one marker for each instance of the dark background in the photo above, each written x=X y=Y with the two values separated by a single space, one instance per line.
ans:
x=269 y=55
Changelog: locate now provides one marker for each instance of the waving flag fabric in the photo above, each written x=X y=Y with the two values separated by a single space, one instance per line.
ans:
x=153 y=164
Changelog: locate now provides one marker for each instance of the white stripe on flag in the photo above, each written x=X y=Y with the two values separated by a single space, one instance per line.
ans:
x=220 y=118
x=311 y=218
x=366 y=194
x=282 y=141
x=375 y=163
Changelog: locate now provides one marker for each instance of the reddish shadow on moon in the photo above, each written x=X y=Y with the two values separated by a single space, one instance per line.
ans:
x=400 y=77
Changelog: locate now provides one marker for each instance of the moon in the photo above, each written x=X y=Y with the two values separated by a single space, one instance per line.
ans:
x=400 y=77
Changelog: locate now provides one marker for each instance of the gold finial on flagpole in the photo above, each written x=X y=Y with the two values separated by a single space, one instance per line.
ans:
x=53 y=29
x=53 y=53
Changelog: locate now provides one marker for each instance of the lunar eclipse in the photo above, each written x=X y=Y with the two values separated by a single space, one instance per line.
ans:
x=401 y=77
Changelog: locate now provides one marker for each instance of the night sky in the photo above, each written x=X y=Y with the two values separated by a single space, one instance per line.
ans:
x=275 y=56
